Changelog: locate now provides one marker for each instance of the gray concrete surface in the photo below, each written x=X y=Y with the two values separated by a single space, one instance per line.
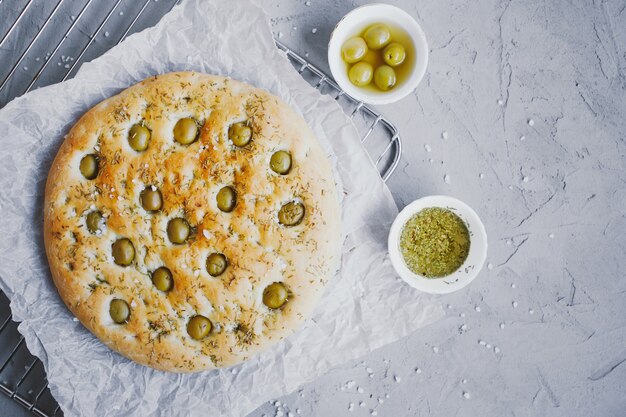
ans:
x=522 y=111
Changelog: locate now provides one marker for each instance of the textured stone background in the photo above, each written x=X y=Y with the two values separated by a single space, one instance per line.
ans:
x=523 y=112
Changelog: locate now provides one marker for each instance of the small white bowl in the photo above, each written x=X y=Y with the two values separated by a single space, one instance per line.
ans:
x=472 y=265
x=353 y=24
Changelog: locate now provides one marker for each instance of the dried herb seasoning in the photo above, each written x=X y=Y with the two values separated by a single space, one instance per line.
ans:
x=434 y=242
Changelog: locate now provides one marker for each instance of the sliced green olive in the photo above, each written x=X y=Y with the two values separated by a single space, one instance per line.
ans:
x=377 y=36
x=280 y=162
x=394 y=54
x=139 y=137
x=226 y=199
x=95 y=222
x=240 y=134
x=119 y=311
x=178 y=230
x=151 y=199
x=186 y=131
x=291 y=214
x=216 y=264
x=199 y=327
x=275 y=295
x=162 y=279
x=123 y=252
x=89 y=166
x=385 y=77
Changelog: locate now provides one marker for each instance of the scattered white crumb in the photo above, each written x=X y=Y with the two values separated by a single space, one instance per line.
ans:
x=551 y=235
x=502 y=325
x=428 y=148
x=466 y=395
x=525 y=179
x=350 y=406
x=361 y=404
x=106 y=34
x=74 y=319
x=396 y=378
x=314 y=30
x=531 y=311
x=481 y=175
x=522 y=138
x=477 y=308
x=418 y=371
x=360 y=390
x=435 y=349
x=446 y=179
x=531 y=122
x=496 y=349
x=490 y=266
x=514 y=304
x=482 y=342
x=444 y=135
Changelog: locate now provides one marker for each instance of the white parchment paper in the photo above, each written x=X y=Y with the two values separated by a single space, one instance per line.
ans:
x=365 y=305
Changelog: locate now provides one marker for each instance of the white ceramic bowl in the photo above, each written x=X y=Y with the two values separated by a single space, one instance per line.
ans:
x=353 y=24
x=472 y=265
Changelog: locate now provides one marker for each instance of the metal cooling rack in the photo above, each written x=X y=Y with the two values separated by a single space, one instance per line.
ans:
x=84 y=29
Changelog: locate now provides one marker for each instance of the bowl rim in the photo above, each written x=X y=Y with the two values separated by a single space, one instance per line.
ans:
x=467 y=272
x=417 y=75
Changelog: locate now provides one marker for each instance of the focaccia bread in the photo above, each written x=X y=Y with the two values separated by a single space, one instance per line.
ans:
x=191 y=221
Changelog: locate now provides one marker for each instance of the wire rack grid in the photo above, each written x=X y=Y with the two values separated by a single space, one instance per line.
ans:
x=35 y=34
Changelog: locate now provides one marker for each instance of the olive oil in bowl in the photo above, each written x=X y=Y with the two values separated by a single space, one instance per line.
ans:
x=374 y=57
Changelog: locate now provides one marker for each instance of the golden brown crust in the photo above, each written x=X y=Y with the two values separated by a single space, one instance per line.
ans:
x=260 y=250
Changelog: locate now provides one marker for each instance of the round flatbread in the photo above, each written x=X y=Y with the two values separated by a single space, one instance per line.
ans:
x=191 y=221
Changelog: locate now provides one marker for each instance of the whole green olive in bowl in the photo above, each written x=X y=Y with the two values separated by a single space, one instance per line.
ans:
x=393 y=38
x=353 y=50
